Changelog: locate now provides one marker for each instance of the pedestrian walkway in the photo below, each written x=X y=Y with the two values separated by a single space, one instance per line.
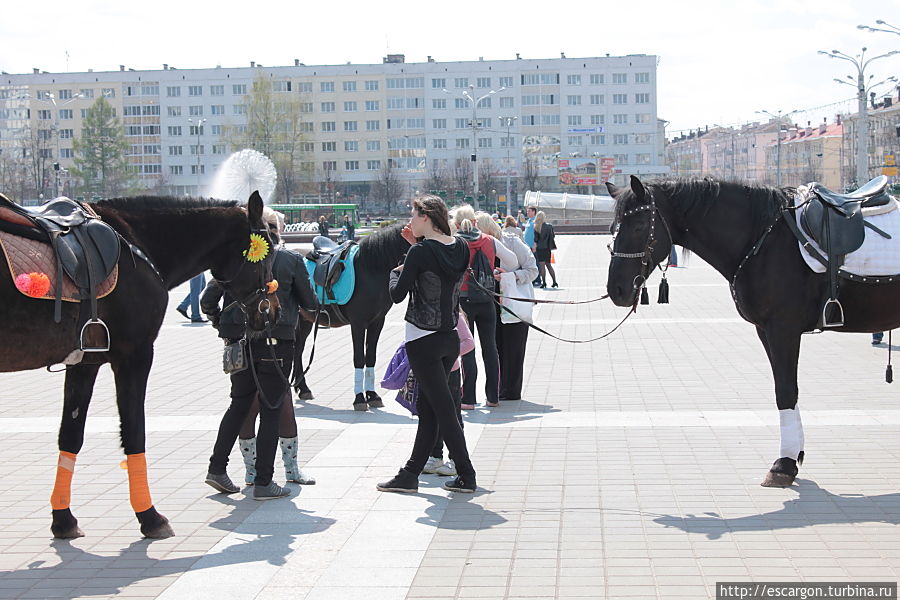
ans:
x=630 y=469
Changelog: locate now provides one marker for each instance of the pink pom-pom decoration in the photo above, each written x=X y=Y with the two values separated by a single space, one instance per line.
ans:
x=35 y=285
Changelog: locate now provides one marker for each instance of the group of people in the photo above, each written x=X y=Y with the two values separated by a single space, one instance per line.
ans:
x=450 y=275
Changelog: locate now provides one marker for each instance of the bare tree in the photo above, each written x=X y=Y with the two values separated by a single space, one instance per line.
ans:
x=388 y=187
x=531 y=173
x=438 y=178
x=487 y=179
x=462 y=174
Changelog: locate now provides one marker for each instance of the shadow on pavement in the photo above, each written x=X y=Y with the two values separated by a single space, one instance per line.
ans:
x=813 y=506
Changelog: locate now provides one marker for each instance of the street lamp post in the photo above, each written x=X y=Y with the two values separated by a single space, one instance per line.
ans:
x=862 y=133
x=199 y=124
x=508 y=121
x=885 y=27
x=469 y=95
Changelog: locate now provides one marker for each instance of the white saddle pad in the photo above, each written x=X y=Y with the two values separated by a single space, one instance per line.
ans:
x=878 y=255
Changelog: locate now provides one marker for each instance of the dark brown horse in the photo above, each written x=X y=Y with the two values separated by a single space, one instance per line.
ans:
x=742 y=232
x=164 y=242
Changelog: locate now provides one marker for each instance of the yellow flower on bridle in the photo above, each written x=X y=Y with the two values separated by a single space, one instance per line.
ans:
x=258 y=250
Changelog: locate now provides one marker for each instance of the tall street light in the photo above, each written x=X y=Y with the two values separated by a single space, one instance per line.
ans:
x=777 y=118
x=885 y=27
x=199 y=126
x=469 y=95
x=862 y=132
x=507 y=122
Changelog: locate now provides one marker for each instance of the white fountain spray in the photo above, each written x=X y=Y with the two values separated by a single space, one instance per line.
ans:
x=242 y=173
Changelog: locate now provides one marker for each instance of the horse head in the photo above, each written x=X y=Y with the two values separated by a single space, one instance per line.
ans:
x=246 y=271
x=641 y=240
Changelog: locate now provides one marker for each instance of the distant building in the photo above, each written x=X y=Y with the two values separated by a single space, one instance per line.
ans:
x=808 y=154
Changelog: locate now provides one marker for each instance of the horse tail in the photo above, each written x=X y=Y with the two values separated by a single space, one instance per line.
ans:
x=685 y=256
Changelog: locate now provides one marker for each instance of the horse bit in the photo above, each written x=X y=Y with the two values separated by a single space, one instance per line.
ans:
x=646 y=256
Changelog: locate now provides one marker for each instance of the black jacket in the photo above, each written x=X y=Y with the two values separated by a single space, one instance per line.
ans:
x=432 y=274
x=294 y=291
x=545 y=239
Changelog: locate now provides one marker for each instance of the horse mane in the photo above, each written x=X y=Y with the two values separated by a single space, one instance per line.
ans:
x=156 y=203
x=383 y=248
x=689 y=196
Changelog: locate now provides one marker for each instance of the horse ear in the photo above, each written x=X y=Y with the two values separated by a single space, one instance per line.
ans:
x=255 y=208
x=637 y=187
x=612 y=188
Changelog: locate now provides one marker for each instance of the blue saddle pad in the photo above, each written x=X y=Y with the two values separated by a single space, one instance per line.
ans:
x=346 y=283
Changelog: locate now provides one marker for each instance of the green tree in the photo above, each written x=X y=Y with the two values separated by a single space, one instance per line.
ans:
x=100 y=161
x=275 y=127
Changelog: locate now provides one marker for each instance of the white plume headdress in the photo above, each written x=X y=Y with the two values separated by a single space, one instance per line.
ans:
x=244 y=172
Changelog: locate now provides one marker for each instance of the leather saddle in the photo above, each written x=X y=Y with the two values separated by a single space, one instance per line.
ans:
x=86 y=249
x=328 y=256
x=835 y=222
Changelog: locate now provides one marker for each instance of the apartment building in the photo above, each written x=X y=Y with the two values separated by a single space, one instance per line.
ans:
x=417 y=117
x=723 y=152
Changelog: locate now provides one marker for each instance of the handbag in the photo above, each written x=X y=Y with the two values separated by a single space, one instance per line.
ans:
x=510 y=288
x=234 y=357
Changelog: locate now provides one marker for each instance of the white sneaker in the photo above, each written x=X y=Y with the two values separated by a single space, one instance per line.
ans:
x=448 y=469
x=432 y=465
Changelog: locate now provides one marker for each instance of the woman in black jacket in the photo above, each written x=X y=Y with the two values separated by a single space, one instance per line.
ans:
x=545 y=244
x=431 y=275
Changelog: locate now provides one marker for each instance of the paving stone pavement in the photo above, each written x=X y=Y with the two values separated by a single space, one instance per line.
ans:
x=630 y=470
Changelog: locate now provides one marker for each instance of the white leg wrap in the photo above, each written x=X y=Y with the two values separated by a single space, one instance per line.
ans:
x=791 y=433
x=357 y=381
x=370 y=379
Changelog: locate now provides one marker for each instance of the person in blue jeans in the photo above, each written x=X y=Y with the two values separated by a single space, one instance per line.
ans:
x=877 y=338
x=198 y=283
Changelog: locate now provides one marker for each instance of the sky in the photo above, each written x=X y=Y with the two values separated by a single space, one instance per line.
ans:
x=718 y=62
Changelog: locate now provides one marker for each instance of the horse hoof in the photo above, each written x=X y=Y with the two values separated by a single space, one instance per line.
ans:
x=65 y=525
x=154 y=525
x=159 y=533
x=362 y=406
x=307 y=395
x=777 y=480
x=374 y=400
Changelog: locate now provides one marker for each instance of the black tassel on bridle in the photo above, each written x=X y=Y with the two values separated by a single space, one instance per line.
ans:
x=645 y=297
x=663 y=290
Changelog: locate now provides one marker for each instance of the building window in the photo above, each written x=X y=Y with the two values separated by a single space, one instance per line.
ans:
x=152 y=149
x=395 y=103
x=485 y=103
x=329 y=146
x=642 y=77
x=173 y=111
x=371 y=85
x=66 y=114
x=308 y=146
x=597 y=119
x=44 y=115
x=326 y=86
x=573 y=79
x=351 y=165
x=574 y=120
x=329 y=126
x=507 y=142
x=350 y=106
x=438 y=84
x=174 y=130
x=304 y=87
x=461 y=123
x=173 y=91
x=596 y=78
x=620 y=138
x=399 y=83
x=598 y=140
x=197 y=149
x=597 y=98
x=195 y=90
x=575 y=140
x=621 y=159
x=573 y=100
x=620 y=119
x=620 y=98
x=484 y=142
x=372 y=106
x=351 y=146
x=506 y=82
x=239 y=110
x=306 y=127
x=66 y=134
x=620 y=78
x=349 y=86
x=217 y=109
x=439 y=123
x=239 y=89
x=66 y=153
x=483 y=82
x=281 y=86
x=327 y=107
x=373 y=145
x=150 y=90
x=373 y=165
x=642 y=98
x=86 y=93
x=176 y=170
x=462 y=143
x=194 y=130
x=196 y=171
x=217 y=90
x=461 y=82
x=642 y=118
x=373 y=125
x=460 y=103
x=329 y=165
x=109 y=92
x=216 y=130
x=439 y=104
x=306 y=107
x=507 y=103
x=439 y=143
x=197 y=111
x=175 y=150
x=350 y=126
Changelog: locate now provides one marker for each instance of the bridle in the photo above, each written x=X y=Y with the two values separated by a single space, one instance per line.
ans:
x=266 y=287
x=646 y=256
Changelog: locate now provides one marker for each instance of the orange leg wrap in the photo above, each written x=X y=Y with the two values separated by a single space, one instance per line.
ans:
x=138 y=489
x=62 y=488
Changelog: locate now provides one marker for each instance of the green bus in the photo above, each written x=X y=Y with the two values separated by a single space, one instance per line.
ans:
x=303 y=213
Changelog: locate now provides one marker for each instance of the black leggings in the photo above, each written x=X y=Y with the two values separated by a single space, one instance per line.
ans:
x=456 y=393
x=511 y=341
x=243 y=393
x=483 y=317
x=431 y=359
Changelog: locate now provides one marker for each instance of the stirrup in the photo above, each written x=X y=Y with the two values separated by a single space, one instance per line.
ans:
x=840 y=321
x=97 y=323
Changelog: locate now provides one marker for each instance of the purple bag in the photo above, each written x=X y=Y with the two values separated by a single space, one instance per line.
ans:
x=399 y=376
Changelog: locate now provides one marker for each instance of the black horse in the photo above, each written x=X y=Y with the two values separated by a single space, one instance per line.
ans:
x=773 y=288
x=164 y=242
x=378 y=254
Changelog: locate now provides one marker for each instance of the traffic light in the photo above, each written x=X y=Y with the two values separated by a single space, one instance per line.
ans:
x=56 y=166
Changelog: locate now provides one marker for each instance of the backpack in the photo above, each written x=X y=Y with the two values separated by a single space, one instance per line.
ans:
x=482 y=273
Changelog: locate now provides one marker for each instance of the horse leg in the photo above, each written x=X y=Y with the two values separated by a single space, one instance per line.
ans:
x=358 y=333
x=131 y=387
x=302 y=334
x=783 y=349
x=373 y=332
x=79 y=387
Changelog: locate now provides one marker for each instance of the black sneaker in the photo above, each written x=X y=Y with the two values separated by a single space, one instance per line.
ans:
x=222 y=483
x=460 y=484
x=403 y=482
x=269 y=492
